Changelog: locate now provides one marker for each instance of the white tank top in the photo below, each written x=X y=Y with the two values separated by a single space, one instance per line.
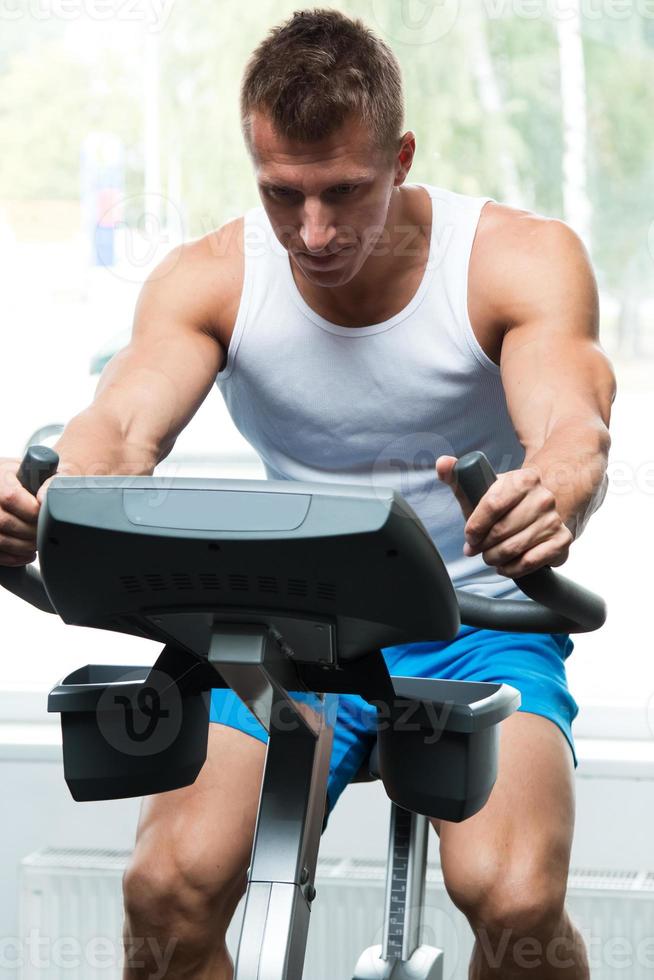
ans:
x=374 y=405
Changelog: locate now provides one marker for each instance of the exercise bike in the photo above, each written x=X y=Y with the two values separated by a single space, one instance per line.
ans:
x=285 y=592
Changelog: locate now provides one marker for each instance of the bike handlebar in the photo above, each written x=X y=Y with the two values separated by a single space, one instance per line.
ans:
x=38 y=465
x=556 y=604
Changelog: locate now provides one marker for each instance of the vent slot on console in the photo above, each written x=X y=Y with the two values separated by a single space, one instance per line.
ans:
x=326 y=590
x=262 y=585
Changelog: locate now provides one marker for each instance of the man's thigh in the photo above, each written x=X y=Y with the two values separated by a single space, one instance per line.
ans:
x=526 y=827
x=205 y=832
x=355 y=727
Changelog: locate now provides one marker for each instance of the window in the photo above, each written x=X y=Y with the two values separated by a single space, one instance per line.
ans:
x=120 y=138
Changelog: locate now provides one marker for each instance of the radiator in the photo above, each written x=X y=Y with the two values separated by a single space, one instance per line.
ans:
x=71 y=918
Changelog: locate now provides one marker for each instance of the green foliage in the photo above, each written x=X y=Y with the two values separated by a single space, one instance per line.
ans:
x=525 y=56
x=50 y=98
x=48 y=103
x=42 y=143
x=621 y=172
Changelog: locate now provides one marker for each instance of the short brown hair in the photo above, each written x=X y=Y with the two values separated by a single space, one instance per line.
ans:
x=317 y=68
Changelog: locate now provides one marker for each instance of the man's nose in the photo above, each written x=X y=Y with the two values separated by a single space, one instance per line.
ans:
x=317 y=231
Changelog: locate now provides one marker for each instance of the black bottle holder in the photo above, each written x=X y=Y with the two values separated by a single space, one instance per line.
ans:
x=439 y=757
x=129 y=731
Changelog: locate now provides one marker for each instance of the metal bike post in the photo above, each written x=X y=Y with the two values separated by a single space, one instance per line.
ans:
x=292 y=803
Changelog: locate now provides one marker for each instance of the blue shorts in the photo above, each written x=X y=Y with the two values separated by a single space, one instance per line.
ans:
x=533 y=663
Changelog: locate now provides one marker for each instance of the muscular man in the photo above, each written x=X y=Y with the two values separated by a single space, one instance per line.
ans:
x=364 y=329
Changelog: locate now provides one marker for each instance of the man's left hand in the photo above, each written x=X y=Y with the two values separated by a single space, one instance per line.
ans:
x=516 y=526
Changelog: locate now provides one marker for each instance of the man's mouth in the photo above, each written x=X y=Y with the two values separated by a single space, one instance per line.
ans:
x=325 y=260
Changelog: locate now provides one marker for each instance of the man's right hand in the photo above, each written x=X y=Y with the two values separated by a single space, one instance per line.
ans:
x=19 y=512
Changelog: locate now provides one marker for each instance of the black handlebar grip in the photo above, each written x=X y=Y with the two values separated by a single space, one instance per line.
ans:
x=38 y=465
x=581 y=609
x=474 y=475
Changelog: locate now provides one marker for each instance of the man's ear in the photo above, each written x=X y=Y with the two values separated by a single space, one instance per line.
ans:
x=405 y=156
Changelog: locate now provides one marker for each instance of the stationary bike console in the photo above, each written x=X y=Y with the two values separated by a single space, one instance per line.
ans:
x=286 y=593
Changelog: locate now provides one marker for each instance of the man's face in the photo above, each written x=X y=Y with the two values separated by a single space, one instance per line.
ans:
x=328 y=201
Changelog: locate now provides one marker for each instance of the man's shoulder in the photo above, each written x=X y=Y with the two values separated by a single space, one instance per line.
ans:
x=223 y=245
x=514 y=249
x=211 y=271
x=206 y=261
x=504 y=230
x=517 y=257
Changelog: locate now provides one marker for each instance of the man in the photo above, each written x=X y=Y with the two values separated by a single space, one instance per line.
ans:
x=365 y=330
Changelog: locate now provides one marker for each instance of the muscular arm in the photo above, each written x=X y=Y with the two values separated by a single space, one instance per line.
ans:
x=533 y=296
x=559 y=384
x=149 y=392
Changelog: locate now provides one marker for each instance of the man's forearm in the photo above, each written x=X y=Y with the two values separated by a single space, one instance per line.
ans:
x=94 y=444
x=572 y=463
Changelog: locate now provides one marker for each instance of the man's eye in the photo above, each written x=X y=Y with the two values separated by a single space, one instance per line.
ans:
x=281 y=192
x=344 y=189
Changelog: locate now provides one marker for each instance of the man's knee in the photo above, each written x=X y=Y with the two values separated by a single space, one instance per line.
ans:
x=509 y=899
x=180 y=899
